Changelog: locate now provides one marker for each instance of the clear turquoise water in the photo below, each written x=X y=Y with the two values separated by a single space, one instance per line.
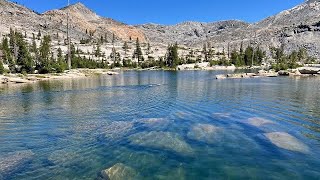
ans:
x=76 y=128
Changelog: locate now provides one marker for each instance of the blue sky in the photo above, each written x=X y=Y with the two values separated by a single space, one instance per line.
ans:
x=173 y=11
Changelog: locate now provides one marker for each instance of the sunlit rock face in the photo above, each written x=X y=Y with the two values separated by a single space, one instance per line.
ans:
x=118 y=172
x=286 y=141
x=162 y=141
x=82 y=21
x=205 y=133
x=281 y=29
x=13 y=161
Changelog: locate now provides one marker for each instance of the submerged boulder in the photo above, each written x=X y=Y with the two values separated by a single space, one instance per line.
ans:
x=161 y=140
x=117 y=130
x=286 y=141
x=181 y=114
x=258 y=122
x=174 y=174
x=221 y=115
x=118 y=172
x=205 y=133
x=13 y=161
x=63 y=156
x=88 y=126
x=154 y=123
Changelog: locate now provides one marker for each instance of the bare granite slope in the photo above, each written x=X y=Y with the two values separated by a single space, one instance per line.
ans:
x=84 y=22
x=294 y=28
x=189 y=33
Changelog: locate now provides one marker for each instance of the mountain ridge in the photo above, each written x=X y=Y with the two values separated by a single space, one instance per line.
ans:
x=84 y=23
x=293 y=28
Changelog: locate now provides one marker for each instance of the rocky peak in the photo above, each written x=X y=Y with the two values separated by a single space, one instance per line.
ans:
x=13 y=15
x=312 y=1
x=7 y=7
x=80 y=11
x=305 y=13
x=84 y=20
x=79 y=7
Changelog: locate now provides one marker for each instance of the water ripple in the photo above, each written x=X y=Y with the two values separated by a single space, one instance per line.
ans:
x=76 y=128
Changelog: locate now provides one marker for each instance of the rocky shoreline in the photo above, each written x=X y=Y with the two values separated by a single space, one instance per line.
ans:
x=300 y=72
x=83 y=73
x=204 y=66
x=72 y=74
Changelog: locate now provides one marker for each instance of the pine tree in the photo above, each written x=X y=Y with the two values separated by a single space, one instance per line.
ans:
x=101 y=40
x=61 y=64
x=113 y=39
x=125 y=48
x=138 y=52
x=115 y=57
x=13 y=44
x=148 y=49
x=259 y=56
x=210 y=53
x=241 y=48
x=39 y=35
x=1 y=67
x=277 y=54
x=97 y=52
x=59 y=55
x=229 y=50
x=302 y=55
x=44 y=51
x=106 y=37
x=209 y=45
x=24 y=59
x=190 y=57
x=7 y=52
x=34 y=45
x=205 y=52
x=235 y=58
x=248 y=55
x=172 y=56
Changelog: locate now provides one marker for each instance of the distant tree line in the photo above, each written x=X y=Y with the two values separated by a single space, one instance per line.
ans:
x=247 y=57
x=170 y=60
x=28 y=58
x=22 y=57
x=289 y=61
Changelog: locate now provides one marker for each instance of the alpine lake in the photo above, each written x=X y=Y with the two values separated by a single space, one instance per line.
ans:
x=161 y=125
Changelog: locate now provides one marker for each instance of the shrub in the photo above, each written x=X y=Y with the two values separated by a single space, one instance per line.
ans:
x=1 y=67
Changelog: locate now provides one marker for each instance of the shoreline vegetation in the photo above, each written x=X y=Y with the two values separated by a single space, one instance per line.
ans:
x=24 y=60
x=8 y=79
x=17 y=78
